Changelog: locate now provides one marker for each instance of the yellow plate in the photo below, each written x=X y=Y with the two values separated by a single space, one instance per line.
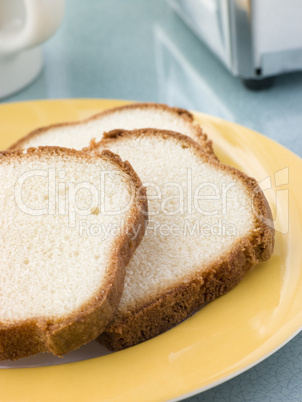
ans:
x=224 y=338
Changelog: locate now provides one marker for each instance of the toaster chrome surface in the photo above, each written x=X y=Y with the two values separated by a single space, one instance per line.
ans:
x=254 y=39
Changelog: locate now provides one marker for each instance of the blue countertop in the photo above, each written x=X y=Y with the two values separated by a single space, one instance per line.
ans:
x=140 y=50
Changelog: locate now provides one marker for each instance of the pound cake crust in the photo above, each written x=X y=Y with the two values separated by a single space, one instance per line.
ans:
x=204 y=284
x=196 y=131
x=63 y=333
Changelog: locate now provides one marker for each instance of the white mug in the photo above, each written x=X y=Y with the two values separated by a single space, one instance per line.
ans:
x=24 y=24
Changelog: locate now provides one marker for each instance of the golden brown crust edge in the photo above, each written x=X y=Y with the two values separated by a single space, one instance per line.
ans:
x=33 y=336
x=178 y=303
x=201 y=137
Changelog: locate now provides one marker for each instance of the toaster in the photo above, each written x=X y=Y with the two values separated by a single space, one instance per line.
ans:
x=255 y=39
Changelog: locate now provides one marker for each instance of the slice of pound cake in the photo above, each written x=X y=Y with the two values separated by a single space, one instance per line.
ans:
x=69 y=225
x=207 y=228
x=139 y=115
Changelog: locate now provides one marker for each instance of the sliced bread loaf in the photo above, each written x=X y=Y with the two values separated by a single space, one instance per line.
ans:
x=140 y=115
x=206 y=230
x=69 y=225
